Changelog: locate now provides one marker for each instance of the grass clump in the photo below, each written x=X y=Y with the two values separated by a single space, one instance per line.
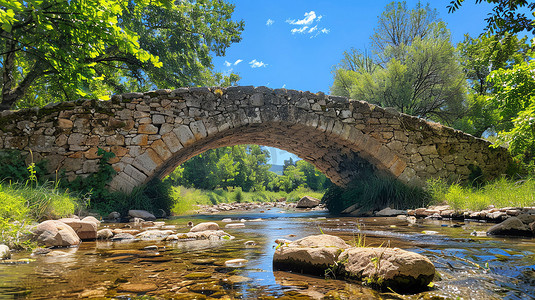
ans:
x=502 y=192
x=373 y=193
x=23 y=204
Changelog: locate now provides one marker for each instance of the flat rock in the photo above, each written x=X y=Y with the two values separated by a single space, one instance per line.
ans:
x=142 y=214
x=150 y=235
x=86 y=230
x=511 y=227
x=122 y=237
x=394 y=268
x=204 y=227
x=311 y=255
x=53 y=233
x=389 y=212
x=308 y=202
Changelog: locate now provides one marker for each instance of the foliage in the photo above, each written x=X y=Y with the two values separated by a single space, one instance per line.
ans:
x=500 y=193
x=58 y=50
x=414 y=67
x=185 y=200
x=21 y=204
x=373 y=193
x=95 y=183
x=13 y=167
x=479 y=57
x=244 y=167
x=514 y=100
x=506 y=15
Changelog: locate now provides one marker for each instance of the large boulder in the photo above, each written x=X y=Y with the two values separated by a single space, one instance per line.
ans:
x=311 y=255
x=142 y=214
x=86 y=230
x=204 y=226
x=308 y=202
x=394 y=268
x=4 y=252
x=53 y=233
x=512 y=226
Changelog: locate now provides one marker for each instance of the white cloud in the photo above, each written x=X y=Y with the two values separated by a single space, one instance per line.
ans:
x=299 y=30
x=308 y=25
x=309 y=18
x=257 y=64
x=238 y=61
x=269 y=22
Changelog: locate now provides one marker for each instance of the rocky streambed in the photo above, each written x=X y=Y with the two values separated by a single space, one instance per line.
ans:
x=234 y=256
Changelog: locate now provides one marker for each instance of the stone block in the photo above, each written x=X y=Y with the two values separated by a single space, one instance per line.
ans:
x=90 y=166
x=65 y=124
x=140 y=140
x=184 y=134
x=147 y=129
x=397 y=167
x=147 y=162
x=161 y=149
x=198 y=129
x=172 y=142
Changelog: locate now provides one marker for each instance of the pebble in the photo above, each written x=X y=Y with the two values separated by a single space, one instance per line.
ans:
x=236 y=263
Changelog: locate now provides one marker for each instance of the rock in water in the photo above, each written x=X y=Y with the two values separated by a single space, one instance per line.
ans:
x=142 y=214
x=104 y=234
x=91 y=219
x=4 y=252
x=56 y=234
x=389 y=212
x=86 y=230
x=400 y=270
x=311 y=255
x=512 y=226
x=204 y=226
x=308 y=202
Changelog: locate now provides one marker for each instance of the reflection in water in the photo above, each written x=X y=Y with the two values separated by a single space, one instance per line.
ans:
x=469 y=267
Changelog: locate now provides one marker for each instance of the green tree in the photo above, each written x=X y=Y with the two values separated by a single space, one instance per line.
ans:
x=506 y=15
x=479 y=57
x=55 y=50
x=416 y=70
x=514 y=99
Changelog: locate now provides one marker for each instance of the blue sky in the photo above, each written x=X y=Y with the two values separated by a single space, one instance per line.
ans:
x=294 y=44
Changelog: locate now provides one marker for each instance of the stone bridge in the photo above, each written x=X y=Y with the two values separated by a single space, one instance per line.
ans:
x=152 y=133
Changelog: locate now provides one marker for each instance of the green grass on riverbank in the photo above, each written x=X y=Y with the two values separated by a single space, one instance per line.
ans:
x=186 y=199
x=500 y=193
x=21 y=205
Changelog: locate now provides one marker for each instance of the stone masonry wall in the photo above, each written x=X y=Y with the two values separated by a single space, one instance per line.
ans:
x=153 y=132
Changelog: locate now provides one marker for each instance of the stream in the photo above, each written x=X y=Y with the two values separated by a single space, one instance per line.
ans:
x=469 y=266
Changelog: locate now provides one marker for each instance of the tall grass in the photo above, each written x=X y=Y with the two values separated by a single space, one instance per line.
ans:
x=186 y=199
x=23 y=204
x=500 y=193
x=375 y=192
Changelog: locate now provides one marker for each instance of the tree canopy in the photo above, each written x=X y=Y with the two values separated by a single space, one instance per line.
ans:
x=54 y=50
x=413 y=67
x=506 y=15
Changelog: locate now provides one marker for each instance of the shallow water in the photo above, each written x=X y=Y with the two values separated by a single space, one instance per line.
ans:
x=470 y=267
